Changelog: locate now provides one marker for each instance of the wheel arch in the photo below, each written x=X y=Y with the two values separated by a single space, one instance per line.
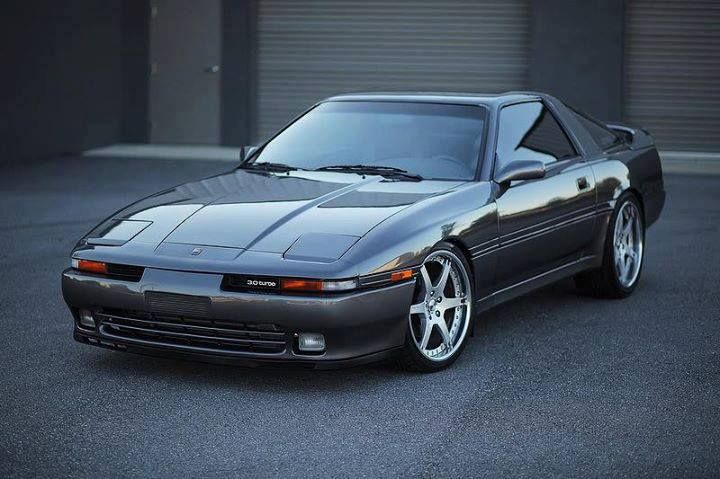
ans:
x=638 y=196
x=460 y=245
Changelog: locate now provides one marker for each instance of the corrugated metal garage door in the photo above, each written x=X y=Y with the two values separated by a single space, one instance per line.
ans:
x=673 y=72
x=313 y=49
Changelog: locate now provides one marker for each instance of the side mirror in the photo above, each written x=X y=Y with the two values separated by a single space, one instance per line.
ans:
x=521 y=170
x=247 y=151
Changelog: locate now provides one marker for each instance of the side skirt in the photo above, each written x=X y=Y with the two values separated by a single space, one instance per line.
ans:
x=531 y=284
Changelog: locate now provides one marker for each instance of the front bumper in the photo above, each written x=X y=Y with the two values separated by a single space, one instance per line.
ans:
x=209 y=324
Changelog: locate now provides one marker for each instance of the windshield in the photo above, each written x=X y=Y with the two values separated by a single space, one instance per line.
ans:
x=435 y=141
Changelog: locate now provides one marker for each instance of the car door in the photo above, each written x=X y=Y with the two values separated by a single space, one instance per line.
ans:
x=542 y=223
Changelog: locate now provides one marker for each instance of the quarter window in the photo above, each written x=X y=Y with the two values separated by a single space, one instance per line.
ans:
x=528 y=131
x=603 y=136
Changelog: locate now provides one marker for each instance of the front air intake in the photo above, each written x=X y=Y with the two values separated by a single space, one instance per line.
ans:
x=125 y=272
x=191 y=333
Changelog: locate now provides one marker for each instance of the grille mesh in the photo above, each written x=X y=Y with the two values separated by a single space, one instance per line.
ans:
x=178 y=304
x=192 y=333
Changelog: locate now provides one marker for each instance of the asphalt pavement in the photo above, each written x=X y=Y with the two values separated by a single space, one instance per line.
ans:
x=553 y=384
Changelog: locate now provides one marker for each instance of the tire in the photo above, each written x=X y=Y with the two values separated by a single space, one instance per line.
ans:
x=449 y=303
x=611 y=280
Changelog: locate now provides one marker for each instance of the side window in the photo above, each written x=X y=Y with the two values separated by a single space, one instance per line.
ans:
x=528 y=131
x=602 y=136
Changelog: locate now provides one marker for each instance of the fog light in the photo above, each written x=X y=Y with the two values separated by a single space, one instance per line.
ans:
x=86 y=319
x=311 y=342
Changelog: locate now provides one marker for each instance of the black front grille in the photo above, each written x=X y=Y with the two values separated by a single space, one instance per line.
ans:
x=125 y=272
x=182 y=305
x=207 y=334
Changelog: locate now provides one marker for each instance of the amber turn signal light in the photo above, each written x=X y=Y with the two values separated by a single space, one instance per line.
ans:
x=89 y=266
x=401 y=275
x=301 y=285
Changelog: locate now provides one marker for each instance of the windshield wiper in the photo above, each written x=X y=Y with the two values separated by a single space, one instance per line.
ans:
x=280 y=167
x=372 y=170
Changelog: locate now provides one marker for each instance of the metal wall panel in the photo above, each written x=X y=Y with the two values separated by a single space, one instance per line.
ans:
x=672 y=67
x=313 y=49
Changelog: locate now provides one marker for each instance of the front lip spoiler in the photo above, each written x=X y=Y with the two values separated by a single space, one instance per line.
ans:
x=214 y=358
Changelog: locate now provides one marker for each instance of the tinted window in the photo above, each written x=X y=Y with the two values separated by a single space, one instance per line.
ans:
x=433 y=140
x=528 y=131
x=602 y=136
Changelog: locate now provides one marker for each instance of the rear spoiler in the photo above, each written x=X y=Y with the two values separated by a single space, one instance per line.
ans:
x=636 y=138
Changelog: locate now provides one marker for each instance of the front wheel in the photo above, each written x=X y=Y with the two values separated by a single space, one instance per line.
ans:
x=441 y=313
x=623 y=253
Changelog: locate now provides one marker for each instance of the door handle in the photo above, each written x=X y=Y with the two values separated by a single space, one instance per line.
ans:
x=582 y=183
x=212 y=69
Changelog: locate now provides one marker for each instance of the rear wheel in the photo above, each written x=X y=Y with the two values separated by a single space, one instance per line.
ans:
x=623 y=253
x=441 y=313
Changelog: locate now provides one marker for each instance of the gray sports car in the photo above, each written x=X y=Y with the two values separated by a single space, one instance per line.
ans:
x=373 y=225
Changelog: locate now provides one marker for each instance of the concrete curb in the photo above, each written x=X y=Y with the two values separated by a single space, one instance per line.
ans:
x=167 y=152
x=690 y=162
x=683 y=162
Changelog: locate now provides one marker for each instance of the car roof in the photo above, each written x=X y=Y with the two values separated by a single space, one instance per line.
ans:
x=489 y=99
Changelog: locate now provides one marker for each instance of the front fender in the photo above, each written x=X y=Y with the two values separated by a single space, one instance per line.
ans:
x=466 y=216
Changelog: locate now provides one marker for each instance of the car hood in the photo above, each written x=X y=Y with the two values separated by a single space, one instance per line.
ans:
x=320 y=215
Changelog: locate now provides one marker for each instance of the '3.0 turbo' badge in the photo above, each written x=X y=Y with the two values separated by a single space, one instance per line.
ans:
x=261 y=283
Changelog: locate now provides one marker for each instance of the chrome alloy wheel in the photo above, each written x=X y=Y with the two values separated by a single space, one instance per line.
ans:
x=628 y=244
x=440 y=317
